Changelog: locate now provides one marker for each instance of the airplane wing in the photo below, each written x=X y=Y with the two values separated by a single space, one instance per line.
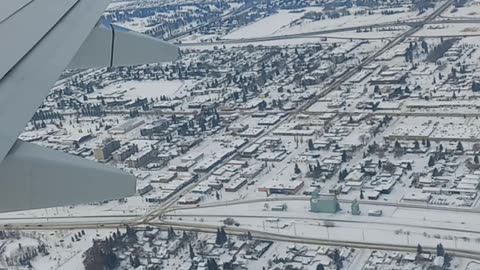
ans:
x=40 y=39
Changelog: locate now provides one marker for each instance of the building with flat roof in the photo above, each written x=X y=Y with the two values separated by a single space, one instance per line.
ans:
x=104 y=150
x=124 y=152
x=142 y=158
x=126 y=126
x=324 y=203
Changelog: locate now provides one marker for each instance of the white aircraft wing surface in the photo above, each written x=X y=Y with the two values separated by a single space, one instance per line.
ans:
x=40 y=38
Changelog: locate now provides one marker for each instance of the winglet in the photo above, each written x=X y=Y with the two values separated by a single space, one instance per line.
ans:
x=111 y=45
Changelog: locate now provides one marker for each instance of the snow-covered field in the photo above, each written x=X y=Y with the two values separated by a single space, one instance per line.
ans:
x=457 y=29
x=470 y=11
x=268 y=26
x=148 y=89
x=286 y=23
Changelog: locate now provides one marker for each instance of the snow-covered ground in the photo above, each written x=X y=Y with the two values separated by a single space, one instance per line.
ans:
x=268 y=26
x=455 y=29
x=146 y=89
x=291 y=23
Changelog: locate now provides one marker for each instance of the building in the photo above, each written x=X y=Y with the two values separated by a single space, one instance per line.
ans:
x=144 y=188
x=155 y=127
x=104 y=150
x=324 y=203
x=288 y=188
x=235 y=185
x=142 y=158
x=126 y=126
x=124 y=152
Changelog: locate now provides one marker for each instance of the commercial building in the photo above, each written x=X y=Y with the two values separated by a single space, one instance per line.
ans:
x=142 y=158
x=155 y=127
x=288 y=188
x=126 y=126
x=104 y=150
x=324 y=203
x=124 y=152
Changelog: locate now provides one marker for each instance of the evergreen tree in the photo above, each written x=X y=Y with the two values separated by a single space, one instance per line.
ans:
x=397 y=145
x=192 y=253
x=136 y=262
x=224 y=235
x=416 y=145
x=171 y=233
x=310 y=145
x=460 y=146
x=337 y=259
x=344 y=156
x=409 y=166
x=431 y=161
x=440 y=250
x=212 y=264
x=297 y=169
x=419 y=250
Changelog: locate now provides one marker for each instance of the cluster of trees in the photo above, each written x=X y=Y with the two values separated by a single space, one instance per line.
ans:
x=342 y=174
x=92 y=110
x=440 y=252
x=337 y=259
x=101 y=256
x=77 y=236
x=459 y=3
x=438 y=51
x=134 y=261
x=134 y=113
x=212 y=264
x=46 y=115
x=422 y=5
x=316 y=170
x=390 y=12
